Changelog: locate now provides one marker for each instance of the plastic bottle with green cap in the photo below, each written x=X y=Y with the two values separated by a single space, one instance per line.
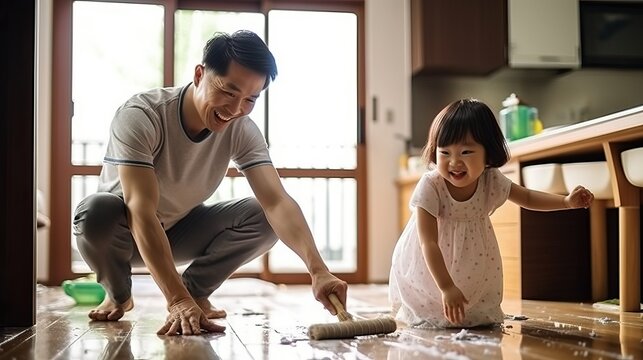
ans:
x=517 y=119
x=85 y=290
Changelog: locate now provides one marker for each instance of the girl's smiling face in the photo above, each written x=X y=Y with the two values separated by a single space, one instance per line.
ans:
x=461 y=164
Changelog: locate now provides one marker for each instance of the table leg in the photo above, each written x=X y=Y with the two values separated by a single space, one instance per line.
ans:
x=598 y=235
x=629 y=258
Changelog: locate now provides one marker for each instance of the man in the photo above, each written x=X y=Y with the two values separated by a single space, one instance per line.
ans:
x=168 y=151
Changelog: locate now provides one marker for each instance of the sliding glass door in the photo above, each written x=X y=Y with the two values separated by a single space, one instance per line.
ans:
x=309 y=115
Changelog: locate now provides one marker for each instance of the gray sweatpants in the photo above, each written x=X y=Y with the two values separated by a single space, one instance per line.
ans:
x=216 y=240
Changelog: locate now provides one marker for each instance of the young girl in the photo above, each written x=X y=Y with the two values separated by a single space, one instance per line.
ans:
x=446 y=269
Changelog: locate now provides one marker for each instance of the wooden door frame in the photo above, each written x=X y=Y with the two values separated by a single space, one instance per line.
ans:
x=63 y=169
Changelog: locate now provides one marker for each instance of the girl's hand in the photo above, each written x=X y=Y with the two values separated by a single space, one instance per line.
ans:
x=579 y=198
x=453 y=301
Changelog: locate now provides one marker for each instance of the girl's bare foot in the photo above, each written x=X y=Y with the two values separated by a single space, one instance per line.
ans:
x=110 y=311
x=210 y=311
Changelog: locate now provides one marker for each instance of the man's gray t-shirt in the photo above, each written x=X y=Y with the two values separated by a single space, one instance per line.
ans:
x=147 y=131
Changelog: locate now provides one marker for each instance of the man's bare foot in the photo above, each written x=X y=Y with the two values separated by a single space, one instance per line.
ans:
x=109 y=311
x=210 y=311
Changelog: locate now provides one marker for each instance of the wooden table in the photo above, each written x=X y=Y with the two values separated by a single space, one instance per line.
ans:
x=609 y=135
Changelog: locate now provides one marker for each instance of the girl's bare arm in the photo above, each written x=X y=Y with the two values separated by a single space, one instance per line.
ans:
x=542 y=201
x=453 y=299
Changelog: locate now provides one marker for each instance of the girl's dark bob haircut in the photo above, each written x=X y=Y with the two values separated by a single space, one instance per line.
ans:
x=464 y=117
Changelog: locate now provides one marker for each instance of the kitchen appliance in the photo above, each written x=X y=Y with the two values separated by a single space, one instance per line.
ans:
x=611 y=33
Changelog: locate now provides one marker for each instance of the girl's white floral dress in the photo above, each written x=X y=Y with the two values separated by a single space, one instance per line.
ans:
x=470 y=249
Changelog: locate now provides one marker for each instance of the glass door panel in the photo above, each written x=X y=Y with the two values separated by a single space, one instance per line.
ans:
x=117 y=52
x=329 y=206
x=109 y=64
x=313 y=103
x=312 y=122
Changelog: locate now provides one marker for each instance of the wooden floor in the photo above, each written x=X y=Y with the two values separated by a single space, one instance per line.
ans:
x=270 y=322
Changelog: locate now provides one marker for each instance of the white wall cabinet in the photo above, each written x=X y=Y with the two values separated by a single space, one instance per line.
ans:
x=543 y=34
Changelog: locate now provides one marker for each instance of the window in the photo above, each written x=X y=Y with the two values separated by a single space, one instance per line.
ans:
x=309 y=115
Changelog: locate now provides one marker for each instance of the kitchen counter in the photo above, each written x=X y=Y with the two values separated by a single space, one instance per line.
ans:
x=603 y=138
x=582 y=137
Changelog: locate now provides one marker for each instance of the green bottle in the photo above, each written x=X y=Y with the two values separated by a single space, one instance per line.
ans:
x=85 y=291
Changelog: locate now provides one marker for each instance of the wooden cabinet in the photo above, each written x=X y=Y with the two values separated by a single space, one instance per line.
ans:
x=477 y=37
x=538 y=248
x=506 y=225
x=458 y=36
x=544 y=33
x=405 y=188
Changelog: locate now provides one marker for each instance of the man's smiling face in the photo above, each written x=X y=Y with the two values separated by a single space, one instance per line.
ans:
x=221 y=99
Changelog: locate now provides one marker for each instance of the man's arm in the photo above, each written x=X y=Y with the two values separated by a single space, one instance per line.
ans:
x=288 y=222
x=140 y=192
x=141 y=196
